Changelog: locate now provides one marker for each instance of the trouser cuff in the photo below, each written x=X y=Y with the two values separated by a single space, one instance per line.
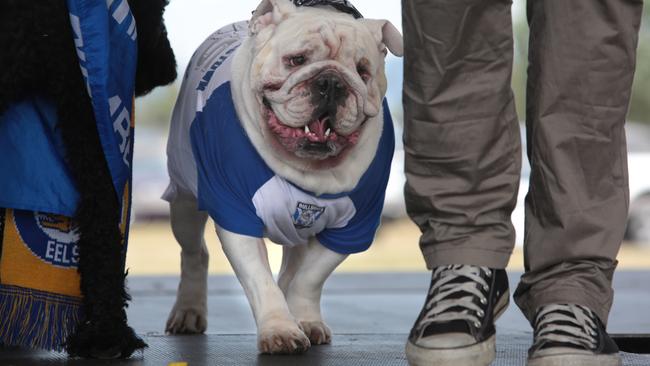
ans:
x=529 y=303
x=470 y=256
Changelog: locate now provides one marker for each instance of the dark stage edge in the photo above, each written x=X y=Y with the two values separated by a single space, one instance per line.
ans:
x=347 y=350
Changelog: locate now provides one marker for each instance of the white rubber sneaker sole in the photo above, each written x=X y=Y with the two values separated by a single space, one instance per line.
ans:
x=576 y=360
x=480 y=354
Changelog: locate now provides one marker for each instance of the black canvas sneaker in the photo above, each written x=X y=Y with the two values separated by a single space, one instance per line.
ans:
x=571 y=335
x=456 y=325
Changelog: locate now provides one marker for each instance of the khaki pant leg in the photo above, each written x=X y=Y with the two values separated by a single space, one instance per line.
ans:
x=582 y=59
x=461 y=134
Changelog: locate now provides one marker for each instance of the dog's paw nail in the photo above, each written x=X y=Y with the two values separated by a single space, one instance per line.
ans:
x=283 y=339
x=186 y=321
x=263 y=347
x=278 y=341
x=317 y=331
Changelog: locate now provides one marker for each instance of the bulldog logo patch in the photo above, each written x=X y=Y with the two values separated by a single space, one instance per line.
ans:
x=306 y=215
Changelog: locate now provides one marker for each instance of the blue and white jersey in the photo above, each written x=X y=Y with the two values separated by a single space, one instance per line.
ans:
x=211 y=158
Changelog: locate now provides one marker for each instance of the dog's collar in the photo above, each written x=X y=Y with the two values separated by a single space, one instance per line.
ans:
x=340 y=5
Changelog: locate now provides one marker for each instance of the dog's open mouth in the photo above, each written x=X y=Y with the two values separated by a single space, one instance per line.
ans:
x=317 y=140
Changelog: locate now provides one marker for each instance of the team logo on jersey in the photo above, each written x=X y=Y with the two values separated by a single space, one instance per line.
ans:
x=306 y=215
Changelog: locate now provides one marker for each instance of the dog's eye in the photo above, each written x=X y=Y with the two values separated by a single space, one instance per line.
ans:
x=297 y=60
x=363 y=72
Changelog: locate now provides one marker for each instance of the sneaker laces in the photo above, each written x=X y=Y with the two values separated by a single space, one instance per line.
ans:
x=566 y=323
x=456 y=288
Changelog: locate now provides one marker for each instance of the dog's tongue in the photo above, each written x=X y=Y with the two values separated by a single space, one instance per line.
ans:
x=319 y=127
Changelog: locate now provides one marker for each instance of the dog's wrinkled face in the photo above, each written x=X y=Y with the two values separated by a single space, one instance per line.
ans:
x=319 y=79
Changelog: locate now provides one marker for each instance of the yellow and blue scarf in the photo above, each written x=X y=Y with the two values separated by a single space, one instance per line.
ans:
x=40 y=298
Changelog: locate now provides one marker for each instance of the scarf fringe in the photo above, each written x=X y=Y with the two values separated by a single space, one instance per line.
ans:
x=37 y=319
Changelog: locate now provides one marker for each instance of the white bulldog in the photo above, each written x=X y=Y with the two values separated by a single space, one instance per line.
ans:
x=280 y=131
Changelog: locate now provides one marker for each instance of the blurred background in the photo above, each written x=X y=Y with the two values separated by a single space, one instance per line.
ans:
x=153 y=249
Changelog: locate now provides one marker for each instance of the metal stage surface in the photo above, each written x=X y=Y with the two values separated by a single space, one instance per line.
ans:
x=370 y=315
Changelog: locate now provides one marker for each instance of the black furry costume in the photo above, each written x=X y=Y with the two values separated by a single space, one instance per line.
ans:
x=38 y=57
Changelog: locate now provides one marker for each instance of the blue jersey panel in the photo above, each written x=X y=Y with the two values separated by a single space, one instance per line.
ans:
x=230 y=170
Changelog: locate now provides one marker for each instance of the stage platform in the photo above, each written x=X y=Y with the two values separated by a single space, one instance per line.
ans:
x=370 y=315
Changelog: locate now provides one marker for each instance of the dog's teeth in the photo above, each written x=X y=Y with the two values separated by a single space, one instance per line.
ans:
x=328 y=132
x=307 y=129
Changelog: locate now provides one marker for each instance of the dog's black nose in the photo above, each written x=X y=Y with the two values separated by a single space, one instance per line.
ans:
x=329 y=89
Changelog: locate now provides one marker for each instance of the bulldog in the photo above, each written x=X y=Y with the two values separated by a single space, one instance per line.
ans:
x=280 y=131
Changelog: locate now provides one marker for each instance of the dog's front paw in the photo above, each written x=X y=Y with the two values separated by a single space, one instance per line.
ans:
x=282 y=337
x=186 y=320
x=306 y=311
x=317 y=331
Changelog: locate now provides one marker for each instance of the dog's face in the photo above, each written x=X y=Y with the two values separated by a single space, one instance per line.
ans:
x=318 y=77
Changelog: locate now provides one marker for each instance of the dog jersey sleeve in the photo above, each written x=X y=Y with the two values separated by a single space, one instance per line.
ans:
x=229 y=170
x=368 y=198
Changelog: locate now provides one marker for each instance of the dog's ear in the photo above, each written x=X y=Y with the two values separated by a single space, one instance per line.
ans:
x=386 y=34
x=270 y=12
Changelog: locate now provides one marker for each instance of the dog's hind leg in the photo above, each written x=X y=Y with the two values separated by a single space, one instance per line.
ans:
x=189 y=314
x=277 y=330
x=303 y=292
